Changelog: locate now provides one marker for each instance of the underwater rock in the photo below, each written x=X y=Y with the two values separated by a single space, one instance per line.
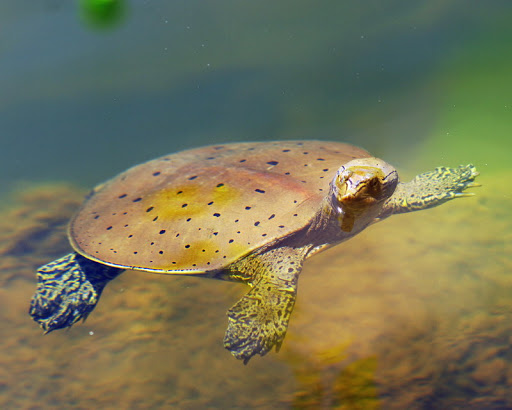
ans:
x=413 y=313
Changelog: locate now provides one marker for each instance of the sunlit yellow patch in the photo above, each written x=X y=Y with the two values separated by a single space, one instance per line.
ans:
x=178 y=202
x=225 y=194
x=175 y=202
x=200 y=253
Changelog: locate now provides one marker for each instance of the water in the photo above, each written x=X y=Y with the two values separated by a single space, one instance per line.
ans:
x=415 y=312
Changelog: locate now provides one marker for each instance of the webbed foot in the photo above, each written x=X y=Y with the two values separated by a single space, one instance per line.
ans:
x=431 y=189
x=68 y=289
x=259 y=320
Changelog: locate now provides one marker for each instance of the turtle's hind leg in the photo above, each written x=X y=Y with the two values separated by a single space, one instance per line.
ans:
x=68 y=289
x=259 y=320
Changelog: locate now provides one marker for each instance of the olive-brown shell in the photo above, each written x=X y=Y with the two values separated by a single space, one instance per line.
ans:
x=202 y=209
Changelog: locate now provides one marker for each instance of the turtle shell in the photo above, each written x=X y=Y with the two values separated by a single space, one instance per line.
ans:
x=202 y=209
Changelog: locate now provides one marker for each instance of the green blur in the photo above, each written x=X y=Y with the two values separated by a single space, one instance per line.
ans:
x=102 y=13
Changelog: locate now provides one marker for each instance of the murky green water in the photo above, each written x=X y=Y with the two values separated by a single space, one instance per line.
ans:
x=416 y=312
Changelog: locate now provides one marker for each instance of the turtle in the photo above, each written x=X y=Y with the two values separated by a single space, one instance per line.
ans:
x=244 y=212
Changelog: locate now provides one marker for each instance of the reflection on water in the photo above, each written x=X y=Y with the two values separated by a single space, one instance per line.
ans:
x=415 y=312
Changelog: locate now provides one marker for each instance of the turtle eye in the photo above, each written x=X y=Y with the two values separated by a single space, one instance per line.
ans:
x=374 y=187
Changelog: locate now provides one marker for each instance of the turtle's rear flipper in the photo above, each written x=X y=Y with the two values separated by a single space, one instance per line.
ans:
x=68 y=290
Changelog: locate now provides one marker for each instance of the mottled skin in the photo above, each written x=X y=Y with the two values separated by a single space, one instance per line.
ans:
x=362 y=192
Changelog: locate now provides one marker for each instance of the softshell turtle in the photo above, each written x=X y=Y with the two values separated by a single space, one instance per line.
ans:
x=248 y=212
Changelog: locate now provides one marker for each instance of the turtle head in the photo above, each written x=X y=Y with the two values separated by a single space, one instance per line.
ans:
x=359 y=189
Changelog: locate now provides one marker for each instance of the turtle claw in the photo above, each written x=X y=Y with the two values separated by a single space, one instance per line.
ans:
x=463 y=194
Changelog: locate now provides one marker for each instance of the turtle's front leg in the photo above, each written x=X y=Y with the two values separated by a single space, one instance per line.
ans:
x=68 y=289
x=431 y=189
x=258 y=321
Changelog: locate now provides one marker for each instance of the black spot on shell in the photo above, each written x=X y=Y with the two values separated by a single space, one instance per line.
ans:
x=184 y=205
x=150 y=209
x=162 y=232
x=215 y=233
x=209 y=158
x=220 y=185
x=285 y=150
x=192 y=178
x=281 y=226
x=137 y=199
x=325 y=169
x=109 y=228
x=272 y=216
x=272 y=162
x=177 y=235
x=179 y=192
x=236 y=220
x=256 y=223
x=155 y=174
x=125 y=213
x=187 y=246
x=152 y=243
x=135 y=252
x=189 y=219
x=242 y=160
x=216 y=214
x=155 y=218
x=305 y=153
x=130 y=236
x=248 y=207
x=231 y=240
x=161 y=252
x=320 y=159
x=290 y=270
x=210 y=203
x=122 y=196
x=96 y=217
x=259 y=191
x=287 y=173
